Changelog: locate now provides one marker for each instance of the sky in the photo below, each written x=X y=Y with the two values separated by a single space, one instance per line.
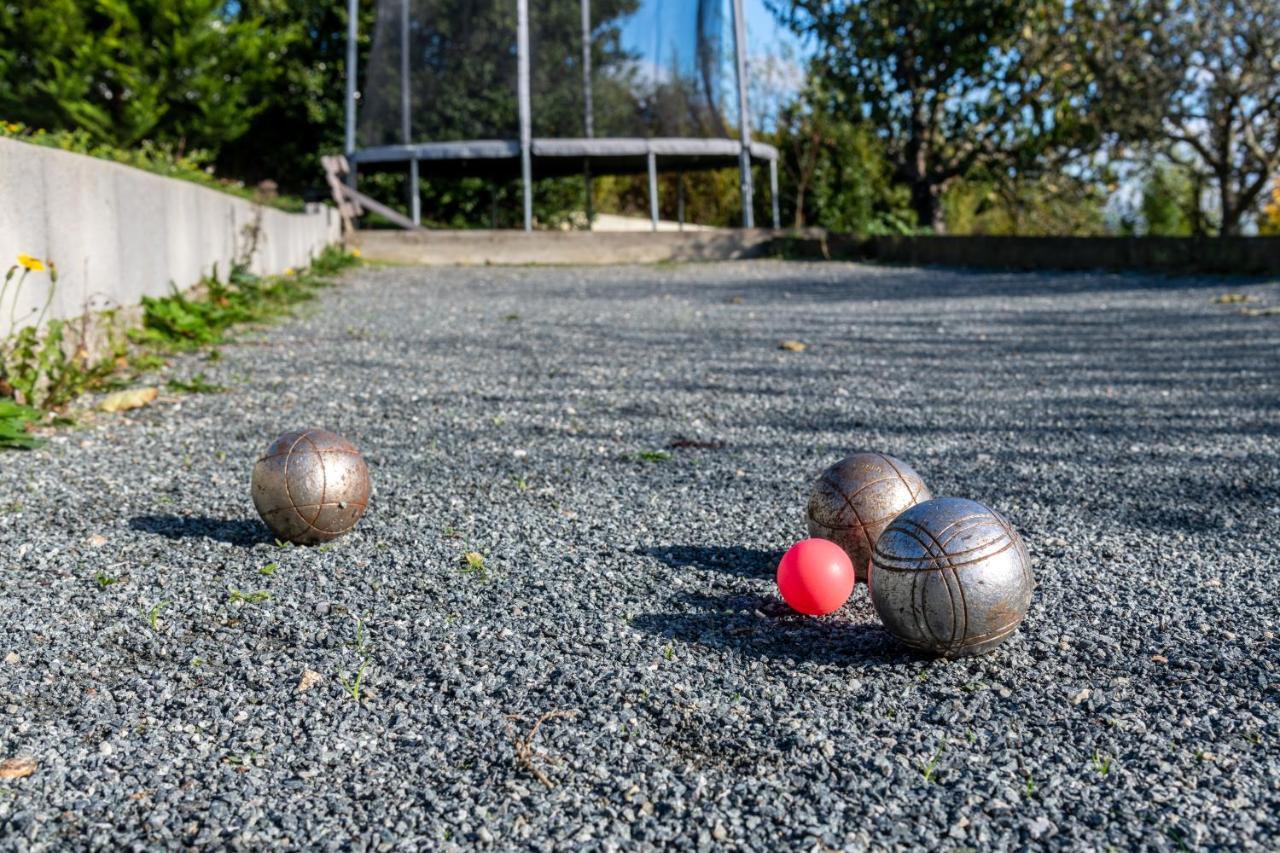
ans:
x=663 y=29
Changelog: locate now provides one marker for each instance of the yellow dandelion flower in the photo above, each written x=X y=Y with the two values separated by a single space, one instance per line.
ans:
x=288 y=271
x=12 y=127
x=30 y=263
x=355 y=253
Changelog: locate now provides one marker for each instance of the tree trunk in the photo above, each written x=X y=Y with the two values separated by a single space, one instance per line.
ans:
x=1231 y=212
x=926 y=201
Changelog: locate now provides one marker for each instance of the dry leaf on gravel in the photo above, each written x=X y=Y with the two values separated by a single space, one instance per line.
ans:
x=1232 y=298
x=310 y=678
x=1261 y=312
x=97 y=540
x=1081 y=696
x=122 y=401
x=793 y=346
x=17 y=767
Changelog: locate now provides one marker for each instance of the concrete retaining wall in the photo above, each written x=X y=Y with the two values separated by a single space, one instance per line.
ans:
x=1243 y=255
x=118 y=234
x=477 y=248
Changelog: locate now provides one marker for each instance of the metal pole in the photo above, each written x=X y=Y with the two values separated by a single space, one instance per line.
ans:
x=349 y=140
x=349 y=137
x=744 y=119
x=588 y=105
x=680 y=198
x=415 y=191
x=773 y=193
x=653 y=190
x=522 y=95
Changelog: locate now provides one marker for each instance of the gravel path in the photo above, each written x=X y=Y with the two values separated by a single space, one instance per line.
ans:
x=631 y=451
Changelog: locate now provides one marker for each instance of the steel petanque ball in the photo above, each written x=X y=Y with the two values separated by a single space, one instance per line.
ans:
x=310 y=486
x=854 y=499
x=951 y=577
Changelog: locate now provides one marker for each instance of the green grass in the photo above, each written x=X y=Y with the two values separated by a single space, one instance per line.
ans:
x=235 y=596
x=353 y=686
x=653 y=456
x=931 y=767
x=196 y=385
x=153 y=615
x=105 y=580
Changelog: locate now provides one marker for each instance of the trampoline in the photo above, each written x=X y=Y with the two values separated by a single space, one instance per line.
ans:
x=497 y=90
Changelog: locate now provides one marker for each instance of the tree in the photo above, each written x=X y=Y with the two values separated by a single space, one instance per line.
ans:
x=834 y=173
x=1197 y=82
x=953 y=87
x=1271 y=213
x=177 y=72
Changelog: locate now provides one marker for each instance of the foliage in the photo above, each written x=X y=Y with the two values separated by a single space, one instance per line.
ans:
x=1197 y=82
x=14 y=419
x=1037 y=207
x=37 y=374
x=1271 y=213
x=834 y=172
x=953 y=87
x=181 y=322
x=1168 y=193
x=147 y=155
x=179 y=72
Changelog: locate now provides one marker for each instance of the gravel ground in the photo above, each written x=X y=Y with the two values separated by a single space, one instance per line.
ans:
x=631 y=451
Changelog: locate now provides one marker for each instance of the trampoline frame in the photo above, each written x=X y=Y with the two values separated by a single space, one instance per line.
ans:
x=561 y=156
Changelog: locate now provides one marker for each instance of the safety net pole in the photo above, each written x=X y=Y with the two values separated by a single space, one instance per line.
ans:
x=773 y=193
x=415 y=196
x=588 y=105
x=522 y=94
x=744 y=122
x=349 y=139
x=653 y=190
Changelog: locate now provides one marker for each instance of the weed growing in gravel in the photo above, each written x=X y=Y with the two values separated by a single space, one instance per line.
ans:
x=361 y=644
x=1101 y=763
x=235 y=596
x=153 y=615
x=669 y=652
x=653 y=456
x=269 y=569
x=14 y=419
x=1029 y=789
x=105 y=580
x=473 y=564
x=353 y=687
x=197 y=384
x=931 y=766
x=196 y=663
x=522 y=485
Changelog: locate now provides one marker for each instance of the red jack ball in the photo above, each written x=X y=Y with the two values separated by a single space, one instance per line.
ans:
x=815 y=577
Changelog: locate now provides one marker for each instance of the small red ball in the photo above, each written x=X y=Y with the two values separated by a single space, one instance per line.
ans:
x=815 y=577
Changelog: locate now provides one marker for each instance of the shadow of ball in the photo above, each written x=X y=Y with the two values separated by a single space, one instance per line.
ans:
x=855 y=499
x=310 y=486
x=951 y=577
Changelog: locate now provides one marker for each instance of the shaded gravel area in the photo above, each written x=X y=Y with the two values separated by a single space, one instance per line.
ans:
x=631 y=452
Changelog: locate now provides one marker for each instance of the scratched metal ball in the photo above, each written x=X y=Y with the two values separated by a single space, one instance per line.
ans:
x=855 y=499
x=310 y=486
x=951 y=577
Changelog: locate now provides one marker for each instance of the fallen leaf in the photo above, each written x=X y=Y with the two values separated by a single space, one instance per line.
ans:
x=1261 y=312
x=1232 y=298
x=97 y=540
x=1213 y=582
x=793 y=346
x=1159 y=659
x=17 y=767
x=1081 y=696
x=310 y=678
x=122 y=401
x=11 y=658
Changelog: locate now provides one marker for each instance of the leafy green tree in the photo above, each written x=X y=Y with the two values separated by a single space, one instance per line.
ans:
x=953 y=87
x=178 y=72
x=1197 y=82
x=834 y=172
x=1167 y=194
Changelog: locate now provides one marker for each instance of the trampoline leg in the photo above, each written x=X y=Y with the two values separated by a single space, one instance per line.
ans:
x=773 y=193
x=590 y=202
x=415 y=194
x=680 y=199
x=653 y=190
x=526 y=116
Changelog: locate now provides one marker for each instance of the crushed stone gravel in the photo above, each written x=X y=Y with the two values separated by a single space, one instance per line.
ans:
x=626 y=452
